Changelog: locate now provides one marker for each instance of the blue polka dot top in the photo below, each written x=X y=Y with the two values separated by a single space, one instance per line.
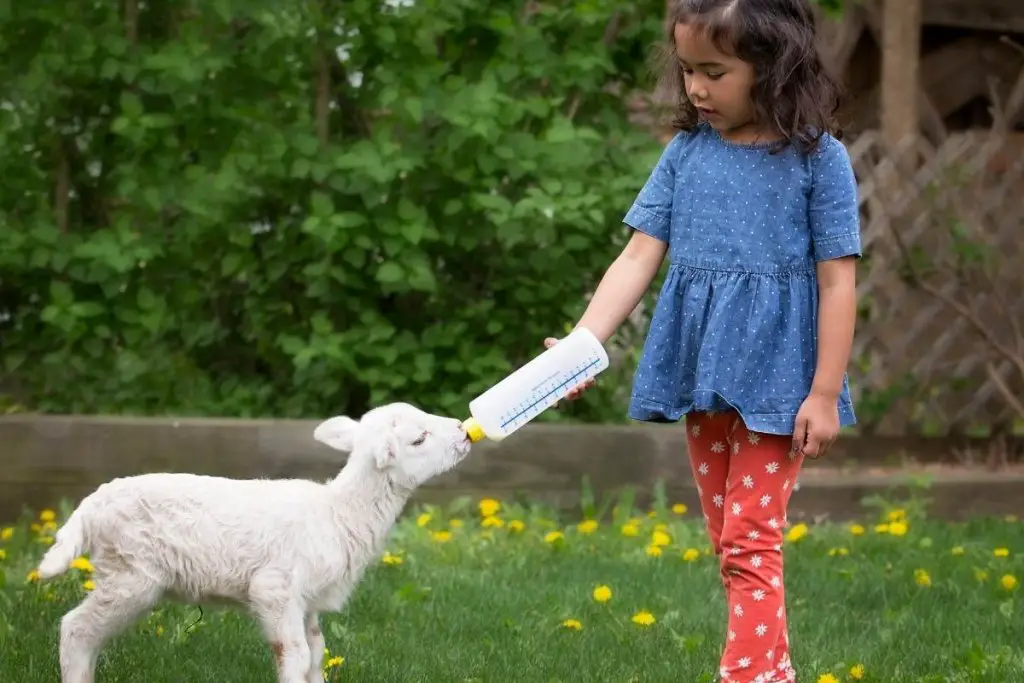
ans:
x=735 y=323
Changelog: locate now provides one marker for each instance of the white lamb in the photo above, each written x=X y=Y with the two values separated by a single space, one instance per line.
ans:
x=286 y=550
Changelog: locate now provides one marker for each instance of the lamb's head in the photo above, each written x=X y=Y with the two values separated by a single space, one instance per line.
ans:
x=409 y=445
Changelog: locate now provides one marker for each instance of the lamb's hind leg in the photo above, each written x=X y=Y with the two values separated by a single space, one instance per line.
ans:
x=115 y=604
x=315 y=638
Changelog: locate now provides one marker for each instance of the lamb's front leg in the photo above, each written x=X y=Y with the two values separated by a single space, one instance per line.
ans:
x=315 y=638
x=283 y=619
x=287 y=636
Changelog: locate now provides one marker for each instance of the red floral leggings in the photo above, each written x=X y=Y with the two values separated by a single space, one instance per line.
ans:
x=744 y=480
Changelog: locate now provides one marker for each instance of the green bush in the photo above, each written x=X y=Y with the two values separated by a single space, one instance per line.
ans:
x=298 y=209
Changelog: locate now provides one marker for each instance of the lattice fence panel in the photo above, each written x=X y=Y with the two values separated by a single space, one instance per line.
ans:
x=918 y=363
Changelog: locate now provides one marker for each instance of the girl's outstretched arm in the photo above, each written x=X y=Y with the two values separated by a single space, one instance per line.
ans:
x=623 y=285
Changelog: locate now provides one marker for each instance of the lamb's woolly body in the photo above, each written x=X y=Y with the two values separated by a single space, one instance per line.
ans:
x=214 y=534
x=285 y=549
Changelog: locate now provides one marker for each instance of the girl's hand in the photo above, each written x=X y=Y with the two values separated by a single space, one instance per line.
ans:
x=817 y=426
x=576 y=391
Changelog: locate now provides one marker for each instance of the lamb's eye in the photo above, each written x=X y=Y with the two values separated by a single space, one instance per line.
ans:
x=420 y=440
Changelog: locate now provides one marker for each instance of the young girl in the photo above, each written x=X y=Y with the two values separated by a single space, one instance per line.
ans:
x=755 y=202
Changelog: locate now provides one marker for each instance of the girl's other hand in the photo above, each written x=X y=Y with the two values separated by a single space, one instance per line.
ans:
x=576 y=391
x=817 y=426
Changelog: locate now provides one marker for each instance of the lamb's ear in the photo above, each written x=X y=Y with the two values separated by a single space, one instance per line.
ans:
x=337 y=432
x=385 y=450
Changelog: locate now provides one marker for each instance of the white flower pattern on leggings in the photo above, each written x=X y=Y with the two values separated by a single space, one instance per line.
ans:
x=745 y=519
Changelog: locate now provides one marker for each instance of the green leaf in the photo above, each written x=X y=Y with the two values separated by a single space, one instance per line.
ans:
x=414 y=107
x=321 y=204
x=61 y=294
x=390 y=273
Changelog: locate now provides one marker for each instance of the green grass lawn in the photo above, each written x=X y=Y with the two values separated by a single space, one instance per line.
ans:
x=489 y=603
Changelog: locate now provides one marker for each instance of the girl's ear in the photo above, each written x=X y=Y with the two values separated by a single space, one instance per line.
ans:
x=337 y=432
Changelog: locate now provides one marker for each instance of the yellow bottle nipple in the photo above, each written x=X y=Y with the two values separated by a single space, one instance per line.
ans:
x=474 y=430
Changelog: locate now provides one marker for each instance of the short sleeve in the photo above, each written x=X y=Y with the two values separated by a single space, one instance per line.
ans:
x=651 y=212
x=834 y=213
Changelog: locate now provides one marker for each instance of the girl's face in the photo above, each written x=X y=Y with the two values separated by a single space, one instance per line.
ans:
x=717 y=84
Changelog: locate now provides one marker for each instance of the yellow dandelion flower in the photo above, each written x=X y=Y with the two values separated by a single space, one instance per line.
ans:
x=82 y=564
x=630 y=529
x=881 y=528
x=45 y=540
x=654 y=550
x=660 y=538
x=391 y=560
x=661 y=526
x=643 y=618
x=857 y=529
x=827 y=678
x=3 y=554
x=455 y=523
x=1001 y=552
x=602 y=594
x=35 y=528
x=424 y=519
x=442 y=536
x=679 y=509
x=691 y=555
x=89 y=585
x=492 y=522
x=587 y=526
x=897 y=515
x=796 y=533
x=7 y=534
x=48 y=528
x=516 y=525
x=838 y=552
x=572 y=625
x=33 y=576
x=1008 y=582
x=857 y=672
x=898 y=528
x=980 y=575
x=553 y=536
x=333 y=663
x=922 y=578
x=489 y=507
x=652 y=514
x=47 y=516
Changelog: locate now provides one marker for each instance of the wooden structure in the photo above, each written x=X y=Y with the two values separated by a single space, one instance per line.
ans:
x=926 y=66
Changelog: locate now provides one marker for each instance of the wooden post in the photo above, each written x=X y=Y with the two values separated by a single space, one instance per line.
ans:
x=901 y=54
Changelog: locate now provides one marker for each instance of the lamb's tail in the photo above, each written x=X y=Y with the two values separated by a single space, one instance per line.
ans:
x=69 y=543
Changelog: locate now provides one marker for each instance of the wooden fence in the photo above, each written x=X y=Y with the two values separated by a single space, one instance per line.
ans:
x=946 y=357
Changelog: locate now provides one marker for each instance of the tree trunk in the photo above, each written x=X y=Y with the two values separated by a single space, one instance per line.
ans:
x=901 y=53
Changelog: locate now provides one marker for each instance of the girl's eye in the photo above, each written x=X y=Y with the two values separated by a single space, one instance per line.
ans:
x=420 y=440
x=714 y=77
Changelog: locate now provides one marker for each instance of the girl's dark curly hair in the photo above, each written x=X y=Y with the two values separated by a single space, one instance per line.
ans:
x=793 y=91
